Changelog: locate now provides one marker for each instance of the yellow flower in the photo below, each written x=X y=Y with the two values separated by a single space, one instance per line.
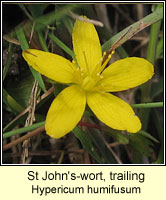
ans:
x=89 y=83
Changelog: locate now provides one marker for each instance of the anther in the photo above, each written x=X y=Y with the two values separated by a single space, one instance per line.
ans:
x=104 y=53
x=110 y=55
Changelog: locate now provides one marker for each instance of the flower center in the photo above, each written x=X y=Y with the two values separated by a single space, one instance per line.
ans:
x=86 y=81
x=89 y=82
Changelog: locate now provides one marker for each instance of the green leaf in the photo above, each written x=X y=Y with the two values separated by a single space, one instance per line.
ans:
x=14 y=105
x=11 y=104
x=4 y=97
x=21 y=89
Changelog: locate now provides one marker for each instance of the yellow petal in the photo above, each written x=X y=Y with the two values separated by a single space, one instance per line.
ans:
x=113 y=111
x=65 y=111
x=86 y=45
x=51 y=65
x=126 y=73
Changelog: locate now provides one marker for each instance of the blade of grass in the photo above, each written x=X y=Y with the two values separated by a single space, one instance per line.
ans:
x=17 y=120
x=9 y=59
x=23 y=130
x=61 y=45
x=24 y=46
x=105 y=33
x=68 y=24
x=144 y=133
x=23 y=8
x=136 y=27
x=42 y=41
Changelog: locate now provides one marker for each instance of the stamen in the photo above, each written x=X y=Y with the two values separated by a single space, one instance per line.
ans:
x=99 y=64
x=104 y=53
x=106 y=61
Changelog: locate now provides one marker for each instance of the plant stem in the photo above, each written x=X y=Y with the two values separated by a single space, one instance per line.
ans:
x=148 y=105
